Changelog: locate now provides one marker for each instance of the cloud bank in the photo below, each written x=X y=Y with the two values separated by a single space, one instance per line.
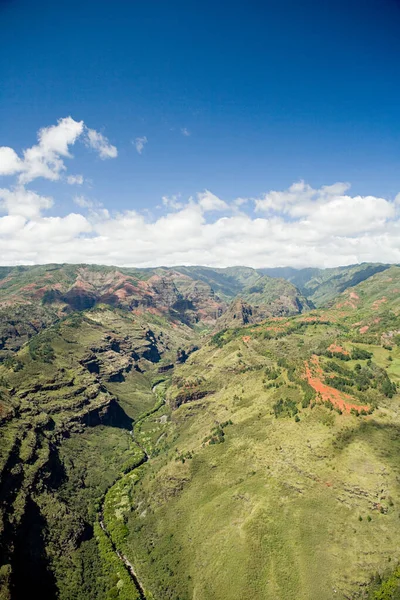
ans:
x=300 y=226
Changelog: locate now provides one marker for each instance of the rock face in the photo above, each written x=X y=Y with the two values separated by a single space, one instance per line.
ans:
x=184 y=397
x=32 y=298
x=203 y=304
x=52 y=291
x=116 y=355
x=19 y=323
x=238 y=314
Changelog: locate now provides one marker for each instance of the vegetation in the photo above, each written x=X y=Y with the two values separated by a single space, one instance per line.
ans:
x=276 y=475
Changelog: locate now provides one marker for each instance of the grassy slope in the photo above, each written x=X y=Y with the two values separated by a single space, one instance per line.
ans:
x=285 y=507
x=273 y=511
x=323 y=285
x=267 y=291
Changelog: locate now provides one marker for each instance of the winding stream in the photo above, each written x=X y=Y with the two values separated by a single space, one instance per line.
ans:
x=128 y=565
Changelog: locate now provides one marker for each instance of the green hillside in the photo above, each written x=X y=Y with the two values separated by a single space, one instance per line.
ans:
x=171 y=440
x=281 y=477
x=323 y=285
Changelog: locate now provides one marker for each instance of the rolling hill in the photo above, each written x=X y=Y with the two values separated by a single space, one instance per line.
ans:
x=323 y=285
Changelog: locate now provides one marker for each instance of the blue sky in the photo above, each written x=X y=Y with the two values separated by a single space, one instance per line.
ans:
x=240 y=99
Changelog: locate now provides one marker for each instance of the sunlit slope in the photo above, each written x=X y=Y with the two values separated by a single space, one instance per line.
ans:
x=271 y=487
x=323 y=285
x=34 y=297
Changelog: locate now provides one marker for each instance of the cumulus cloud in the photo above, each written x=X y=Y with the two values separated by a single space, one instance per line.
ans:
x=331 y=228
x=300 y=226
x=299 y=198
x=185 y=132
x=22 y=202
x=46 y=158
x=10 y=163
x=139 y=143
x=209 y=202
x=100 y=143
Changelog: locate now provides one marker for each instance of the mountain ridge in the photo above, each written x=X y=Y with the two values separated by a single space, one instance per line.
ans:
x=275 y=417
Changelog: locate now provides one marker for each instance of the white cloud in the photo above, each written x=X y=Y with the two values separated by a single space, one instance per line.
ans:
x=139 y=143
x=173 y=202
x=83 y=202
x=100 y=143
x=299 y=198
x=299 y=226
x=185 y=132
x=10 y=163
x=22 y=202
x=75 y=179
x=332 y=228
x=209 y=202
x=46 y=158
x=238 y=202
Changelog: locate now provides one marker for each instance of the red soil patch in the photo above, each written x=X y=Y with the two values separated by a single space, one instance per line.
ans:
x=40 y=292
x=314 y=374
x=82 y=285
x=126 y=289
x=122 y=293
x=311 y=320
x=350 y=303
x=29 y=287
x=350 y=300
x=336 y=348
x=148 y=309
x=246 y=338
x=364 y=329
x=377 y=303
x=377 y=320
x=274 y=329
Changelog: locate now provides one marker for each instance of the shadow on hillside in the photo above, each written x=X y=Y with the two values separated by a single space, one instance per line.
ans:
x=383 y=437
x=31 y=574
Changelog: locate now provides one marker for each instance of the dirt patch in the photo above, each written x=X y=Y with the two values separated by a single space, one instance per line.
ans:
x=364 y=329
x=354 y=296
x=29 y=288
x=350 y=303
x=311 y=320
x=246 y=339
x=315 y=374
x=377 y=303
x=338 y=349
